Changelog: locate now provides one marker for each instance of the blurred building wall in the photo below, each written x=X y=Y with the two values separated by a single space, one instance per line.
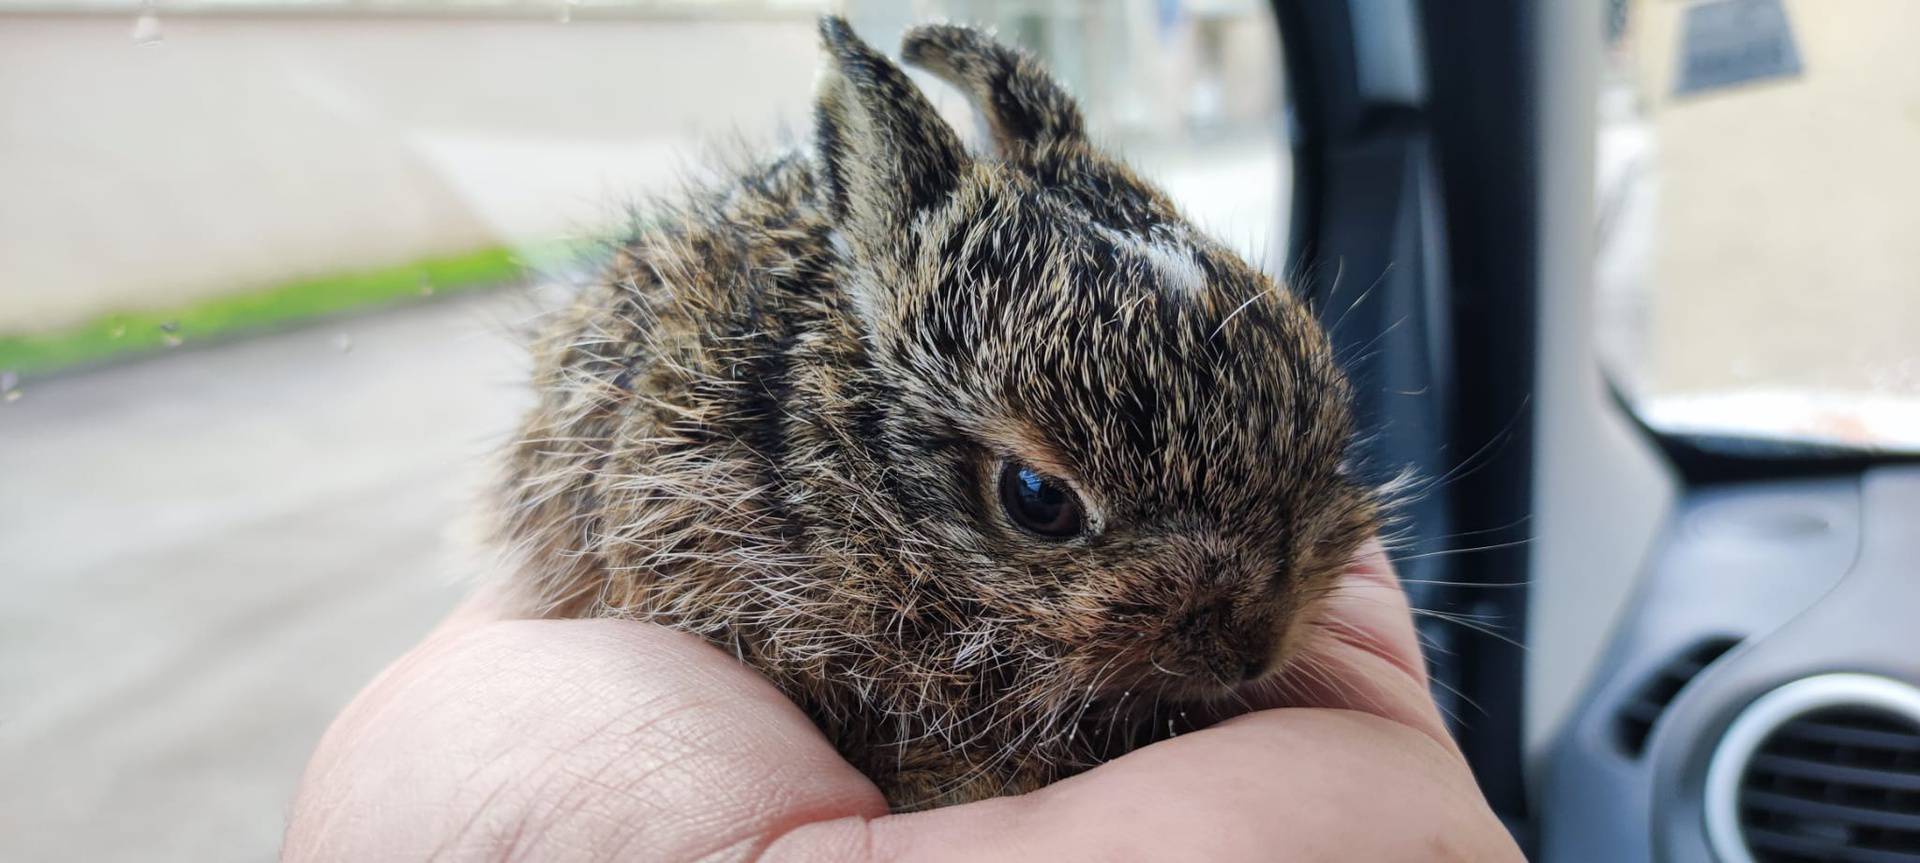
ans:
x=145 y=163
x=244 y=150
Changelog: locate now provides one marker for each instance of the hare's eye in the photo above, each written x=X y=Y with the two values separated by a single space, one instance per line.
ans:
x=1038 y=503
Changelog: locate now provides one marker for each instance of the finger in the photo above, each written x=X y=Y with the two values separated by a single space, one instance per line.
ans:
x=1284 y=784
x=1361 y=652
x=574 y=739
x=1368 y=773
x=1371 y=607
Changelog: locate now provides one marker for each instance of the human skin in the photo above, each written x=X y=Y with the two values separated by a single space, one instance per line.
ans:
x=502 y=739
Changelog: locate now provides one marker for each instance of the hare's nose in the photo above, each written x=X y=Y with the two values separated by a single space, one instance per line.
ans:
x=1232 y=651
x=1231 y=665
x=1231 y=668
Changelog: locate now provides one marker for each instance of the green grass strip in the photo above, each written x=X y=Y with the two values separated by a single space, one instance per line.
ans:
x=131 y=332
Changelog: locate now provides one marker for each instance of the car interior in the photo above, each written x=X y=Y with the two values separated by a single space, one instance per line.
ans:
x=1627 y=289
x=1660 y=643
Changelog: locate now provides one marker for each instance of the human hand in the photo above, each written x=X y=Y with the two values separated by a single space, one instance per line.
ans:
x=503 y=739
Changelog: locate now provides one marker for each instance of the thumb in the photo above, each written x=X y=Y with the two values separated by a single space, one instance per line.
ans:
x=1361 y=653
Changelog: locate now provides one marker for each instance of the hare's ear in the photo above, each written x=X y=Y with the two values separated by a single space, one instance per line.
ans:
x=1026 y=109
x=885 y=153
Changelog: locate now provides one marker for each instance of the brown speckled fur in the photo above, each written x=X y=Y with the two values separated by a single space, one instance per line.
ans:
x=776 y=423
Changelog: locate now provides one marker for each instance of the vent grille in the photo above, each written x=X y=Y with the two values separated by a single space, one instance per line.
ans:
x=1825 y=768
x=1636 y=718
x=1840 y=784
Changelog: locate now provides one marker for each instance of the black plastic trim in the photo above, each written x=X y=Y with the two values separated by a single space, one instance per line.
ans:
x=1403 y=193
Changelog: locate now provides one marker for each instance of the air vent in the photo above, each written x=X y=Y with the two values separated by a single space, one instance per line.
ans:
x=1636 y=718
x=1823 y=769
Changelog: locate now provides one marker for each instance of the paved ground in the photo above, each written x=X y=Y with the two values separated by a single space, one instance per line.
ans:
x=207 y=553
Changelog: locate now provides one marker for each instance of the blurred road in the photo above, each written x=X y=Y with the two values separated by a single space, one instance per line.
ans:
x=205 y=554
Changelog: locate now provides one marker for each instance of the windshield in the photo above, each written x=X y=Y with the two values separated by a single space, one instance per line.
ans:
x=1756 y=218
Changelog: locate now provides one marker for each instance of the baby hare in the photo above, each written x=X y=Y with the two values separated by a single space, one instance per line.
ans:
x=990 y=461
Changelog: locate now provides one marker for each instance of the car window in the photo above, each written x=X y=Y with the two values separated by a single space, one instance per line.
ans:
x=266 y=272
